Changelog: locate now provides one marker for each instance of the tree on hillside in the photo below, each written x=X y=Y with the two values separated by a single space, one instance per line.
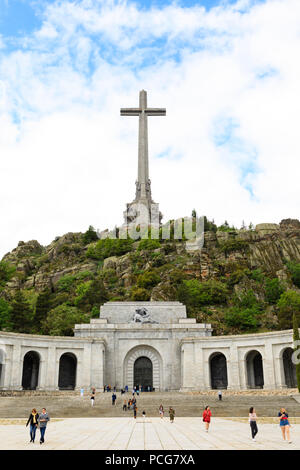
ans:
x=41 y=310
x=296 y=339
x=90 y=294
x=21 y=314
x=60 y=321
x=288 y=304
x=90 y=235
x=5 y=310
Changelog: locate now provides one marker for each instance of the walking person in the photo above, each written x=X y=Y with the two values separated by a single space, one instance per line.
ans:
x=113 y=398
x=220 y=395
x=125 y=405
x=172 y=414
x=161 y=411
x=284 y=424
x=206 y=417
x=134 y=410
x=253 y=423
x=33 y=422
x=43 y=421
x=92 y=399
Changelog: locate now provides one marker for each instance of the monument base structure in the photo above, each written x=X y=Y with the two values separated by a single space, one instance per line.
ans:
x=152 y=345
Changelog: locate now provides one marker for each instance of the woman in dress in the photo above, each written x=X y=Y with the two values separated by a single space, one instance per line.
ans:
x=206 y=417
x=161 y=411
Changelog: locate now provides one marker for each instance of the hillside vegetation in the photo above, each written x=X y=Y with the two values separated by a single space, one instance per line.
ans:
x=241 y=281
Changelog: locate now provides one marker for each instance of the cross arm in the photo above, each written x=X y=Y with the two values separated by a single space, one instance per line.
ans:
x=155 y=111
x=130 y=111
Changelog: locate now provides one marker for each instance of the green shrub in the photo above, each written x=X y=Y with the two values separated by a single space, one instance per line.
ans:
x=7 y=271
x=226 y=227
x=274 y=289
x=196 y=293
x=148 y=279
x=89 y=236
x=5 y=310
x=21 y=314
x=257 y=275
x=242 y=318
x=236 y=276
x=246 y=299
x=109 y=247
x=294 y=269
x=231 y=245
x=148 y=244
x=176 y=277
x=140 y=294
x=288 y=304
x=157 y=259
x=89 y=294
x=66 y=283
x=61 y=320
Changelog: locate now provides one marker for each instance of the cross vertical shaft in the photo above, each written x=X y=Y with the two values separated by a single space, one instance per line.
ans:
x=143 y=183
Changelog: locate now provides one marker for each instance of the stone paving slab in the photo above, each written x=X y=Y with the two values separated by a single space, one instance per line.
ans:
x=148 y=434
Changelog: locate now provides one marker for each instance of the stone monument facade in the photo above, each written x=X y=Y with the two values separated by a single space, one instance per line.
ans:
x=166 y=352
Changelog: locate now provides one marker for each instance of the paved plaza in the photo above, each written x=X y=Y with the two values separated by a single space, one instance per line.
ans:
x=151 y=434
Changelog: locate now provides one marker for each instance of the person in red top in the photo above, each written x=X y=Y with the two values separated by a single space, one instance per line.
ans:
x=206 y=417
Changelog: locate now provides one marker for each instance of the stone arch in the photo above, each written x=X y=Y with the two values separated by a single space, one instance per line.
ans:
x=289 y=368
x=31 y=369
x=2 y=367
x=146 y=352
x=67 y=371
x=254 y=368
x=218 y=371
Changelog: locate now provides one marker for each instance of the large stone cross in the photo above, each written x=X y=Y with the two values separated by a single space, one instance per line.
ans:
x=143 y=192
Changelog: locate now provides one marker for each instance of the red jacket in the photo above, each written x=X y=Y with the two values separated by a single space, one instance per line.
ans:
x=206 y=416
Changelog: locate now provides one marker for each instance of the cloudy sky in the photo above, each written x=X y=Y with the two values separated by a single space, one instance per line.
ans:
x=228 y=73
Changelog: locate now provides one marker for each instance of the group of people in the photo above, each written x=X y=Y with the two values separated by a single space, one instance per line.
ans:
x=38 y=420
x=282 y=417
x=284 y=424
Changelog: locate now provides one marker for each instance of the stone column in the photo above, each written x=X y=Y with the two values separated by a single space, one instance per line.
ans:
x=268 y=367
x=187 y=357
x=206 y=374
x=51 y=381
x=17 y=367
x=233 y=369
x=97 y=364
x=42 y=375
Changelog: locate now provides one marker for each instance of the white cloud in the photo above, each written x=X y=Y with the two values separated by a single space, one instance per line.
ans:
x=69 y=160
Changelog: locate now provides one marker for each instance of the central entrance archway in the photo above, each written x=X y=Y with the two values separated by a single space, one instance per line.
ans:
x=143 y=373
x=143 y=365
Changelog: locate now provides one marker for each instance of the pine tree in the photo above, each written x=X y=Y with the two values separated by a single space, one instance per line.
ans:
x=21 y=314
x=41 y=310
x=297 y=347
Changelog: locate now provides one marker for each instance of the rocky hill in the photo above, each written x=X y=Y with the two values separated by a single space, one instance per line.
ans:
x=241 y=280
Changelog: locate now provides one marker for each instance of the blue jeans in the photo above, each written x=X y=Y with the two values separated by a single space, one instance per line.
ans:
x=42 y=430
x=32 y=431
